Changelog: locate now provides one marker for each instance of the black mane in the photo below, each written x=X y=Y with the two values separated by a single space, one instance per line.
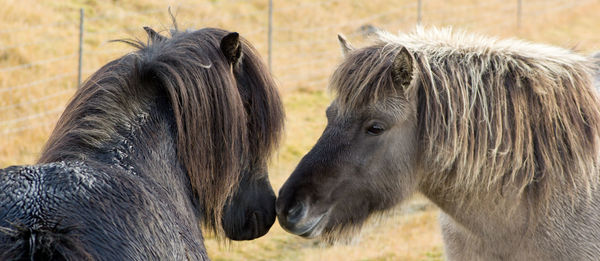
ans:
x=210 y=113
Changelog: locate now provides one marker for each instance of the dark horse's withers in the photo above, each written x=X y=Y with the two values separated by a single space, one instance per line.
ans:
x=155 y=143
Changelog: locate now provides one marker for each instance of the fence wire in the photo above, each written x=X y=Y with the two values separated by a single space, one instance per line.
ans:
x=299 y=73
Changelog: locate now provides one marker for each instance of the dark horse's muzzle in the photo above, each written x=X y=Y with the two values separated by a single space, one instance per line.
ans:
x=251 y=212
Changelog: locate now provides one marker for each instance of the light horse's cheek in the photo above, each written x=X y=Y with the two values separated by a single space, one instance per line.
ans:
x=399 y=177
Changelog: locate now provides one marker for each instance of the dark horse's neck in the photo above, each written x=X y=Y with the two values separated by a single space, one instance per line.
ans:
x=141 y=144
x=141 y=151
x=148 y=149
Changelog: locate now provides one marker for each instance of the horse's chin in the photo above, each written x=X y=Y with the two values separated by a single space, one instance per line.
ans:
x=315 y=227
x=340 y=235
x=344 y=233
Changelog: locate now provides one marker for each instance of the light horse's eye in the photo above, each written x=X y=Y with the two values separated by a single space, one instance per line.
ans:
x=375 y=129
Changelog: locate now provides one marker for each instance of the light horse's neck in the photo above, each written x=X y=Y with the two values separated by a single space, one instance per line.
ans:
x=480 y=216
x=512 y=228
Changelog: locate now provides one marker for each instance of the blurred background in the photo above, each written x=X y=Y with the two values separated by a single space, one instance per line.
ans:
x=46 y=46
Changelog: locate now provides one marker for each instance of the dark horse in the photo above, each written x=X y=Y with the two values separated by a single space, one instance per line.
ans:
x=154 y=144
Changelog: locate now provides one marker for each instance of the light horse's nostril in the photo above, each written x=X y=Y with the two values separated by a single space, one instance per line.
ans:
x=296 y=213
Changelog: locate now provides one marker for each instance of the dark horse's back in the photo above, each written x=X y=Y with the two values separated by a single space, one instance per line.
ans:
x=40 y=200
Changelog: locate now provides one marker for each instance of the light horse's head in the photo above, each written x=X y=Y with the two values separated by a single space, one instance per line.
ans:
x=365 y=159
x=462 y=118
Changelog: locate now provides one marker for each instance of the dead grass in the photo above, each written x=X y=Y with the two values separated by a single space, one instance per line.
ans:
x=304 y=54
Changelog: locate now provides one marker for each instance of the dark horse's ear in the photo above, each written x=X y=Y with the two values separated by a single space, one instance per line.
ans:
x=402 y=68
x=153 y=35
x=231 y=48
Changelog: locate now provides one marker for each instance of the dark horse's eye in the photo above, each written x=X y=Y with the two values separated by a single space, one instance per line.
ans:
x=375 y=129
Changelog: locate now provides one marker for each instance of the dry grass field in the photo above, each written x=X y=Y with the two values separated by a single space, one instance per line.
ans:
x=38 y=62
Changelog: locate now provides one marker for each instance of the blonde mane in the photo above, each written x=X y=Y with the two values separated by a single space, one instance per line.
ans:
x=491 y=113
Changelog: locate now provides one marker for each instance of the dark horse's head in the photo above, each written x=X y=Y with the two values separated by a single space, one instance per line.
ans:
x=249 y=209
x=155 y=143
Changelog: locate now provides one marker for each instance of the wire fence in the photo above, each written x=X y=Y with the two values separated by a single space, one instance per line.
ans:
x=281 y=40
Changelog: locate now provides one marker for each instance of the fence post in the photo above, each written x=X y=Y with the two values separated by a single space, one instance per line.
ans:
x=519 y=13
x=419 y=6
x=80 y=47
x=270 y=44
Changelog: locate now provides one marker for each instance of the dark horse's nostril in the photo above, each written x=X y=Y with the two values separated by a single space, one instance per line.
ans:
x=296 y=213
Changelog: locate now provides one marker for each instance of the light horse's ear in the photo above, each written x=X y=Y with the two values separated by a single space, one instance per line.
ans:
x=346 y=46
x=231 y=48
x=153 y=35
x=402 y=68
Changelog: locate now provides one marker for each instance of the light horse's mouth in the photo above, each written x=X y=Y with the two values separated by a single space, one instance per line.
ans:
x=300 y=222
x=315 y=227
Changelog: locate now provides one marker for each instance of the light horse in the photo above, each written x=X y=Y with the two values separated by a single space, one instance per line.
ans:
x=154 y=144
x=502 y=135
